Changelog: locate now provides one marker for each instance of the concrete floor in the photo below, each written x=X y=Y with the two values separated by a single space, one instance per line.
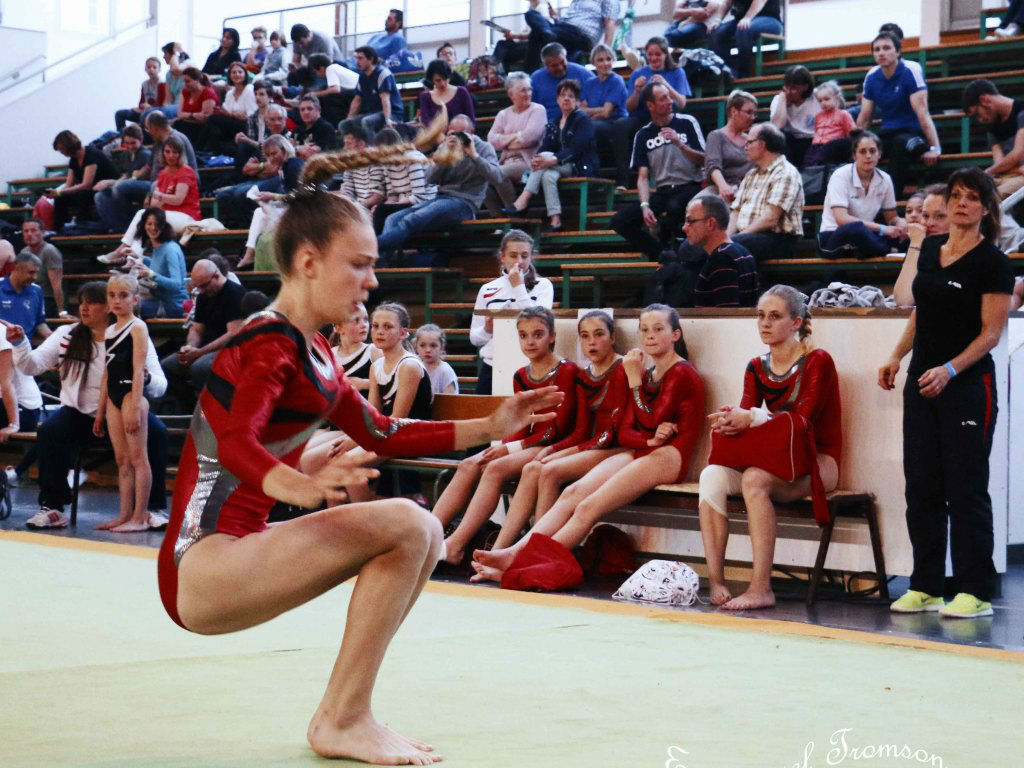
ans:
x=833 y=609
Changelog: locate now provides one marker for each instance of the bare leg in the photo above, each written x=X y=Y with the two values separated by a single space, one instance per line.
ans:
x=455 y=495
x=142 y=474
x=227 y=584
x=247 y=258
x=125 y=476
x=714 y=530
x=556 y=474
x=521 y=507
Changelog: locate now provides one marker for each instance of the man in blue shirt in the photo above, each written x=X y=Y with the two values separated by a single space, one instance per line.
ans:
x=556 y=69
x=21 y=300
x=907 y=131
x=386 y=43
x=377 y=102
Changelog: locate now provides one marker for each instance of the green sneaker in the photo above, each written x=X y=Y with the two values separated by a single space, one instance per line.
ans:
x=965 y=606
x=916 y=602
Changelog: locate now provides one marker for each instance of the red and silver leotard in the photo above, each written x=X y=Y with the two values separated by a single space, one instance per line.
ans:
x=810 y=389
x=267 y=393
x=678 y=398
x=601 y=405
x=562 y=376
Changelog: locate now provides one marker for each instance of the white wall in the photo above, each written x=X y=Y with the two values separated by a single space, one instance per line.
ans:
x=83 y=101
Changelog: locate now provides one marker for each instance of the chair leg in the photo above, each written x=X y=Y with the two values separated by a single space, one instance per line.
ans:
x=74 y=489
x=876 y=547
x=819 y=562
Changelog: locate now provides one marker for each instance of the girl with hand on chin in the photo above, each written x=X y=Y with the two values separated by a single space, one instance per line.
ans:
x=490 y=470
x=661 y=427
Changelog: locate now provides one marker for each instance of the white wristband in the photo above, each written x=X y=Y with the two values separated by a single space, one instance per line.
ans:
x=515 y=446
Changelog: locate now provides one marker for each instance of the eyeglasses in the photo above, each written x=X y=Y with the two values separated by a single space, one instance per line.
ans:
x=688 y=220
x=748 y=142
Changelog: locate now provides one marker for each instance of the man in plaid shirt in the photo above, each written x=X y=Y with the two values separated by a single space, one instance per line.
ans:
x=580 y=27
x=769 y=205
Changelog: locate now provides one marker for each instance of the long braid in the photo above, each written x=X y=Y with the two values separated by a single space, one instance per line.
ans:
x=322 y=167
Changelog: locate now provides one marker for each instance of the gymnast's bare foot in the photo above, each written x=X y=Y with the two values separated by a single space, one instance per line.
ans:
x=111 y=524
x=500 y=559
x=485 y=573
x=720 y=594
x=364 y=739
x=132 y=526
x=749 y=601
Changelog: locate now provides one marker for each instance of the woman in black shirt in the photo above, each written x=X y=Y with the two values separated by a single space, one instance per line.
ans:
x=962 y=296
x=86 y=166
x=217 y=63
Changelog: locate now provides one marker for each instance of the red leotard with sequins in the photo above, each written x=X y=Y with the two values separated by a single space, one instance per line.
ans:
x=677 y=398
x=562 y=376
x=266 y=395
x=813 y=394
x=601 y=405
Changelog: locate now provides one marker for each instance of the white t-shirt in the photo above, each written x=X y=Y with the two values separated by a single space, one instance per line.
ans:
x=244 y=103
x=342 y=77
x=845 y=190
x=25 y=388
x=799 y=119
x=442 y=377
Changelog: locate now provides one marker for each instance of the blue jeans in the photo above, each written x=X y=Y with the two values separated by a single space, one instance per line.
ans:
x=688 y=35
x=728 y=33
x=170 y=110
x=869 y=244
x=543 y=32
x=151 y=308
x=429 y=215
x=116 y=204
x=122 y=116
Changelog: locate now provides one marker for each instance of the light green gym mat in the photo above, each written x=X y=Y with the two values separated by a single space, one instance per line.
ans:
x=93 y=673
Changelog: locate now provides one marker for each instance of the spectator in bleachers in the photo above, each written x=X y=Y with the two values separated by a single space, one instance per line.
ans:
x=832 y=127
x=907 y=130
x=267 y=174
x=377 y=102
x=728 y=277
x=556 y=69
x=1012 y=23
x=176 y=191
x=275 y=66
x=725 y=156
x=196 y=104
x=86 y=166
x=163 y=269
x=51 y=266
x=604 y=99
x=218 y=61
x=769 y=204
x=150 y=95
x=230 y=118
x=750 y=18
x=793 y=110
x=1004 y=118
x=269 y=208
x=7 y=255
x=962 y=298
x=132 y=159
x=224 y=267
x=217 y=317
x=404 y=185
x=856 y=194
x=339 y=87
x=442 y=96
x=568 y=149
x=517 y=286
x=314 y=134
x=365 y=184
x=914 y=209
x=516 y=134
x=463 y=167
x=257 y=51
x=174 y=81
x=792 y=378
x=268 y=119
x=688 y=28
x=305 y=43
x=446 y=53
x=77 y=352
x=660 y=68
x=668 y=152
x=582 y=25
x=431 y=345
x=21 y=298
x=934 y=221
x=389 y=42
x=117 y=205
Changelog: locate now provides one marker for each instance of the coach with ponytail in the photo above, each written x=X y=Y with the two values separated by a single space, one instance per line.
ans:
x=962 y=300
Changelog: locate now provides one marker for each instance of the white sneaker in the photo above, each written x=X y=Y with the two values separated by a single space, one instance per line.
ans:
x=83 y=478
x=111 y=258
x=157 y=520
x=47 y=518
x=1010 y=30
x=12 y=476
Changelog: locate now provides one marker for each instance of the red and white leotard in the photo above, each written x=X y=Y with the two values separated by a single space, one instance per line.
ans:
x=267 y=393
x=810 y=389
x=677 y=398
x=601 y=405
x=562 y=376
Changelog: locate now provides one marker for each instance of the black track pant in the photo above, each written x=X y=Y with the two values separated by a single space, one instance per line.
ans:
x=946 y=445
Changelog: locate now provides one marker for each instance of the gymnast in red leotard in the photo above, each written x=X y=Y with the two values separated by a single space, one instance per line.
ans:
x=221 y=568
x=665 y=418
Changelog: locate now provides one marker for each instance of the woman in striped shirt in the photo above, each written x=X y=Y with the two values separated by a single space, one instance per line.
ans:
x=404 y=185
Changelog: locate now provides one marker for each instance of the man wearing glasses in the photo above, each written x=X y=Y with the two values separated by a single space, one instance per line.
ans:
x=218 y=316
x=769 y=204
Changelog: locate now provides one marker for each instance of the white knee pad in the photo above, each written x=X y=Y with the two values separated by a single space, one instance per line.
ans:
x=717 y=483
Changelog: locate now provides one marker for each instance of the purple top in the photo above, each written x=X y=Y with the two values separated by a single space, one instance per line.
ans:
x=460 y=104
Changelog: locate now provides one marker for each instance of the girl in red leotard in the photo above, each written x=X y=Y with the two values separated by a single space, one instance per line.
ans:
x=791 y=376
x=665 y=416
x=221 y=569
x=602 y=398
x=490 y=470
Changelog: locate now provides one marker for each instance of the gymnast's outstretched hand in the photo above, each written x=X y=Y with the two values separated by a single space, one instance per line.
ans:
x=326 y=484
x=520 y=410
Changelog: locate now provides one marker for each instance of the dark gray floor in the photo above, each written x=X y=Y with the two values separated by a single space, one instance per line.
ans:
x=1004 y=630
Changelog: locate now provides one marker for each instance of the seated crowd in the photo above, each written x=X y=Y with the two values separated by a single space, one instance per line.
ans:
x=714 y=203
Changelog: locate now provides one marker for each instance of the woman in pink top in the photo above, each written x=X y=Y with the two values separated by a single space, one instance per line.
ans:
x=832 y=127
x=516 y=135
